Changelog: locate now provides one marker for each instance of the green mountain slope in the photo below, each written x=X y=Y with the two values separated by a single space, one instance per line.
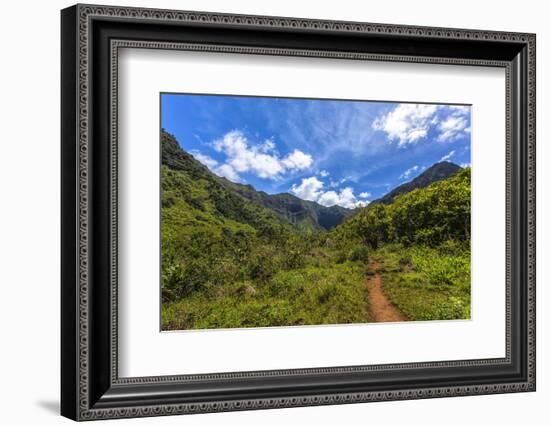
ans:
x=431 y=215
x=438 y=171
x=184 y=179
x=209 y=234
x=301 y=213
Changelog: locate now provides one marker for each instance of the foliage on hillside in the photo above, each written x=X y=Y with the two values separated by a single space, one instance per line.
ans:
x=305 y=215
x=422 y=243
x=231 y=262
x=428 y=216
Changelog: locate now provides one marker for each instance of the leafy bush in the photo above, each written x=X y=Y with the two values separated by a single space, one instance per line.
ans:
x=359 y=253
x=428 y=216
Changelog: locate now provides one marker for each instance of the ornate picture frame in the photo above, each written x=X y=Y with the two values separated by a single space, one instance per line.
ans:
x=91 y=37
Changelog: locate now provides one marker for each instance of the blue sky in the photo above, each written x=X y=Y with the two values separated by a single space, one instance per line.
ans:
x=329 y=151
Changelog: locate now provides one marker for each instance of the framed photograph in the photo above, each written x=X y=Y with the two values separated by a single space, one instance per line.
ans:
x=263 y=212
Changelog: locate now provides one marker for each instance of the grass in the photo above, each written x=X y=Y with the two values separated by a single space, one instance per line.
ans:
x=333 y=294
x=427 y=283
x=424 y=283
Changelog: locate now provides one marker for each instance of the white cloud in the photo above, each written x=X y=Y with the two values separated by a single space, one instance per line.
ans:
x=329 y=198
x=465 y=165
x=447 y=156
x=407 y=123
x=410 y=123
x=267 y=146
x=364 y=195
x=347 y=199
x=309 y=189
x=226 y=171
x=297 y=160
x=408 y=173
x=204 y=159
x=312 y=189
x=336 y=183
x=323 y=173
x=452 y=128
x=261 y=160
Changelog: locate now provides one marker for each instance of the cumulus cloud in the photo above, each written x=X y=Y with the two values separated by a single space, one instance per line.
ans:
x=312 y=189
x=223 y=170
x=267 y=146
x=309 y=189
x=364 y=194
x=297 y=160
x=409 y=172
x=261 y=160
x=447 y=156
x=328 y=198
x=409 y=123
x=323 y=173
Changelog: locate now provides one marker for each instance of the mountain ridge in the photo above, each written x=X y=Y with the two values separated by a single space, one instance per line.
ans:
x=302 y=214
x=436 y=172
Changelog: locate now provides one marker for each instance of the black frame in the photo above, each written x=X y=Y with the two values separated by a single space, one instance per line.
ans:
x=91 y=37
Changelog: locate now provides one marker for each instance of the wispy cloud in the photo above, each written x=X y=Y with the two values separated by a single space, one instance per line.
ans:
x=452 y=128
x=409 y=172
x=447 y=156
x=329 y=127
x=337 y=183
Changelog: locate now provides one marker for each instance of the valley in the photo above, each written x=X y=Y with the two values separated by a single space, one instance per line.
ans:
x=234 y=257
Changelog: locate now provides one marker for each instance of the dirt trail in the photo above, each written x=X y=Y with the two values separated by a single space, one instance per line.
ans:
x=381 y=309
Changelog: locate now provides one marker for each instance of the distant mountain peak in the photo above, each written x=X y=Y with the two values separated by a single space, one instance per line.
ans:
x=436 y=172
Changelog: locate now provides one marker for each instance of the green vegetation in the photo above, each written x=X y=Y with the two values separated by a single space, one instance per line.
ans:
x=427 y=283
x=307 y=295
x=429 y=216
x=421 y=243
x=229 y=260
